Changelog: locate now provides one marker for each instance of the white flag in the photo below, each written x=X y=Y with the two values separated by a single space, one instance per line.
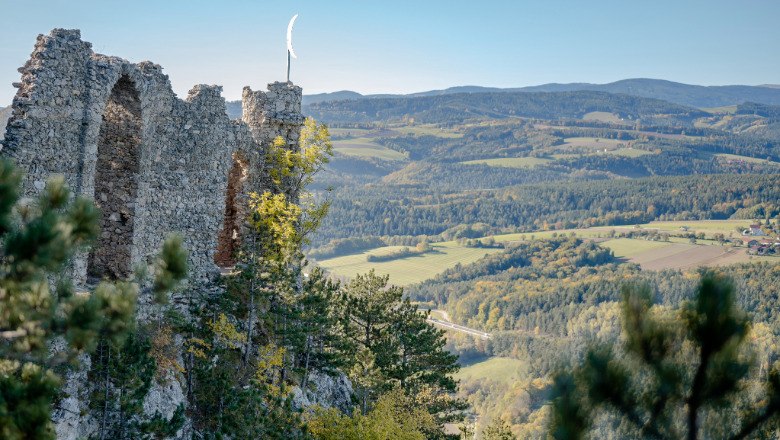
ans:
x=289 y=36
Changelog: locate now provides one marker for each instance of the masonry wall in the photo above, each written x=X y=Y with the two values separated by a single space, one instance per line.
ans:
x=154 y=163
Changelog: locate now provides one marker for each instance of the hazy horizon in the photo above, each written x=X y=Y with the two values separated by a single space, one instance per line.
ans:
x=407 y=47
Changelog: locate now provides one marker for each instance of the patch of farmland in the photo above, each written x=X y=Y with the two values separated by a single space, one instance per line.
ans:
x=593 y=143
x=501 y=369
x=607 y=117
x=407 y=270
x=427 y=130
x=689 y=256
x=628 y=152
x=510 y=162
x=628 y=247
x=365 y=147
x=748 y=159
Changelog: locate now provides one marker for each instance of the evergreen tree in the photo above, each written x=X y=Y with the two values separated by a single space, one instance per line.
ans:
x=395 y=347
x=273 y=325
x=37 y=242
x=498 y=429
x=677 y=377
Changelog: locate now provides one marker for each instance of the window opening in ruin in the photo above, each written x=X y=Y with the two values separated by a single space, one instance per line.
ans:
x=116 y=184
x=235 y=212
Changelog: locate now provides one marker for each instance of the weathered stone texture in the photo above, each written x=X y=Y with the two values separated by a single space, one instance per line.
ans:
x=154 y=164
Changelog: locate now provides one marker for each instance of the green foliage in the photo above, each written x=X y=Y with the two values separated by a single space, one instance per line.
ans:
x=694 y=365
x=498 y=430
x=124 y=375
x=273 y=325
x=26 y=393
x=275 y=220
x=293 y=169
x=171 y=267
x=394 y=416
x=394 y=346
x=37 y=242
x=431 y=198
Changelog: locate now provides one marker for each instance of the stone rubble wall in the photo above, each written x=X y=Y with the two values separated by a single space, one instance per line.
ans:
x=155 y=164
x=179 y=179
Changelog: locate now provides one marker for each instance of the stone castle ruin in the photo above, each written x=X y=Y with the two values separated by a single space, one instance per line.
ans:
x=153 y=163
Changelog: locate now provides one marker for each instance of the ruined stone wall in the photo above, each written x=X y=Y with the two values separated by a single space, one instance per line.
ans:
x=116 y=188
x=153 y=163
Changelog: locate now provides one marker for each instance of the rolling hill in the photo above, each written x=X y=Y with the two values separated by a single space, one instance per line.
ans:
x=455 y=108
x=678 y=93
x=684 y=94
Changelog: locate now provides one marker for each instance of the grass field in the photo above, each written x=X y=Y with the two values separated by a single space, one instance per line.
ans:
x=727 y=109
x=745 y=158
x=629 y=152
x=706 y=226
x=365 y=147
x=607 y=117
x=626 y=247
x=427 y=130
x=510 y=162
x=500 y=369
x=410 y=270
x=651 y=255
x=592 y=143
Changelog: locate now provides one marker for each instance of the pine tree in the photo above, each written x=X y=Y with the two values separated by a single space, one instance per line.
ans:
x=406 y=351
x=272 y=326
x=498 y=429
x=677 y=377
x=37 y=242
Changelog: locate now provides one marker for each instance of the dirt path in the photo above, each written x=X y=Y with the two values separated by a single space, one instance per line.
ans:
x=460 y=328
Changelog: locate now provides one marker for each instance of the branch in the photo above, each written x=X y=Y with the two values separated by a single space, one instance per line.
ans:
x=751 y=426
x=694 y=400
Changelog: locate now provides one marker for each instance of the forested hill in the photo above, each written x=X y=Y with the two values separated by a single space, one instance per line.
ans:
x=457 y=108
x=684 y=94
x=678 y=93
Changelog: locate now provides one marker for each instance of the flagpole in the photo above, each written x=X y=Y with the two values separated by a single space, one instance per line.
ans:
x=288 y=66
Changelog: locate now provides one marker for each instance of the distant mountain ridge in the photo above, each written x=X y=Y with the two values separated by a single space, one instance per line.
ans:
x=678 y=93
x=459 y=107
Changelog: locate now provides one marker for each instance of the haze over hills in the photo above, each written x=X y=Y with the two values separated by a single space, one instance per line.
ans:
x=678 y=93
x=673 y=92
x=449 y=108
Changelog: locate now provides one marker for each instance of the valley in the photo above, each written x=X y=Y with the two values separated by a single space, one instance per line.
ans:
x=390 y=220
x=523 y=215
x=676 y=252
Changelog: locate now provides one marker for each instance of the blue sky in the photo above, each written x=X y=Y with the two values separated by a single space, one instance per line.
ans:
x=406 y=46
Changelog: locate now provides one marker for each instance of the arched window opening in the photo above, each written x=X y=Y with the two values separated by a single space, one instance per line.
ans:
x=116 y=184
x=228 y=241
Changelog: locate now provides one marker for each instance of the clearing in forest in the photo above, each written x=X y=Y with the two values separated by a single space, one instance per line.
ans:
x=510 y=162
x=407 y=270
